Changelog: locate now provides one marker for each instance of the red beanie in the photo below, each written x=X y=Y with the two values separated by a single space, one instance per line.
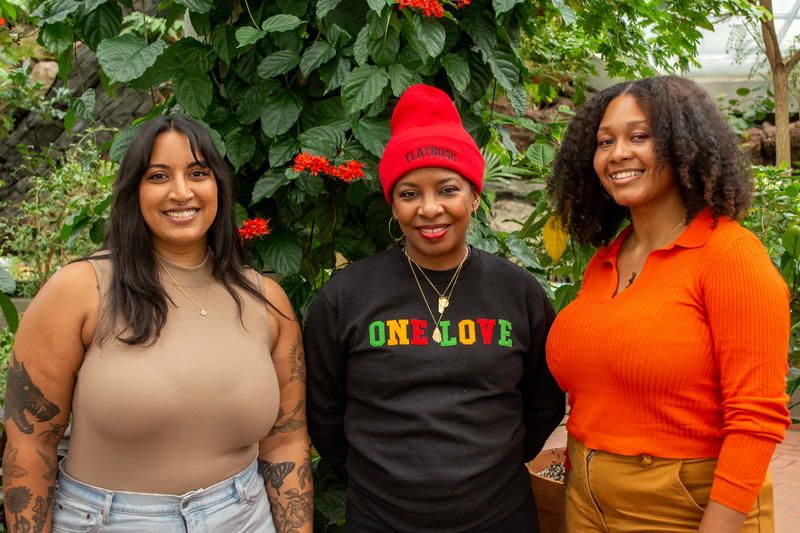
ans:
x=427 y=132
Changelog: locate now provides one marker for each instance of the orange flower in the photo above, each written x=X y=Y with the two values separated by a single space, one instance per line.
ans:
x=2 y=21
x=429 y=8
x=350 y=171
x=254 y=227
x=315 y=164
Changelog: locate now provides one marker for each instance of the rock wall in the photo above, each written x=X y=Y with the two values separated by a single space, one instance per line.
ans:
x=117 y=110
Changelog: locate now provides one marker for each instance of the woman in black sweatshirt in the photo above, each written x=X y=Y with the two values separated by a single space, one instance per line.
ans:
x=428 y=387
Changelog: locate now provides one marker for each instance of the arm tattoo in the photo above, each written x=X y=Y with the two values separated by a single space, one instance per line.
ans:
x=54 y=433
x=298 y=511
x=298 y=361
x=10 y=467
x=305 y=472
x=52 y=467
x=22 y=395
x=17 y=500
x=286 y=423
x=275 y=473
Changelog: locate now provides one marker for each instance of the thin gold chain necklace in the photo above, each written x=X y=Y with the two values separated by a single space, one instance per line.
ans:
x=202 y=308
x=437 y=333
x=443 y=300
x=672 y=233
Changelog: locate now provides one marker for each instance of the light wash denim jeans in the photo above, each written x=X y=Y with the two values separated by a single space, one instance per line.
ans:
x=238 y=504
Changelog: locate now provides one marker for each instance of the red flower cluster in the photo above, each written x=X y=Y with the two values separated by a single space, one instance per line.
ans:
x=430 y=8
x=317 y=163
x=254 y=227
x=2 y=21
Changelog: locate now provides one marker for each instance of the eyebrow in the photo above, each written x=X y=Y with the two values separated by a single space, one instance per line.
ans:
x=631 y=123
x=201 y=164
x=439 y=182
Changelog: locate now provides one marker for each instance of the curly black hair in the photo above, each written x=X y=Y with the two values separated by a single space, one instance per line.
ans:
x=691 y=136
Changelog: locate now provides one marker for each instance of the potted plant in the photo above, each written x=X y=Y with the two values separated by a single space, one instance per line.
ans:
x=547 y=482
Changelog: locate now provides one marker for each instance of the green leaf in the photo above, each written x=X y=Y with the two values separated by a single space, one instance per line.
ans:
x=363 y=86
x=541 y=155
x=240 y=146
x=457 y=70
x=193 y=90
x=431 y=34
x=361 y=47
x=325 y=140
x=247 y=35
x=518 y=97
x=568 y=15
x=373 y=134
x=122 y=140
x=354 y=243
x=384 y=50
x=58 y=10
x=125 y=58
x=522 y=251
x=223 y=42
x=279 y=23
x=240 y=213
x=376 y=5
x=742 y=91
x=267 y=185
x=334 y=73
x=7 y=283
x=564 y=295
x=82 y=108
x=91 y=5
x=326 y=6
x=102 y=23
x=57 y=37
x=219 y=143
x=280 y=113
x=278 y=63
x=197 y=6
x=310 y=184
x=504 y=67
x=791 y=241
x=502 y=6
x=282 y=252
x=10 y=313
x=283 y=151
x=249 y=107
x=401 y=78
x=98 y=231
x=316 y=55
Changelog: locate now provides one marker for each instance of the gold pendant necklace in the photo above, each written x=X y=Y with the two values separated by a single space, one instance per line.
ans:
x=202 y=308
x=444 y=297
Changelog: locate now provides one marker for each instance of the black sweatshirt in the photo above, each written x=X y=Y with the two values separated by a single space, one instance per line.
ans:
x=431 y=436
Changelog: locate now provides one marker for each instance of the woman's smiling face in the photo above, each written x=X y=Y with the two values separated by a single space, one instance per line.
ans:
x=625 y=159
x=434 y=206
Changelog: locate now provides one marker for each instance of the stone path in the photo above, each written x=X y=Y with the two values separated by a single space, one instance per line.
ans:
x=785 y=470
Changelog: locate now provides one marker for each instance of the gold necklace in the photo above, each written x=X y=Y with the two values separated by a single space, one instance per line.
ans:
x=437 y=334
x=443 y=299
x=202 y=308
x=672 y=233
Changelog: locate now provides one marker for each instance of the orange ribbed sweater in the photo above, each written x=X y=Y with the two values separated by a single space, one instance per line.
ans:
x=688 y=362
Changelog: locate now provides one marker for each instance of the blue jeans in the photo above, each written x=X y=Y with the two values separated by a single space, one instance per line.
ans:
x=238 y=504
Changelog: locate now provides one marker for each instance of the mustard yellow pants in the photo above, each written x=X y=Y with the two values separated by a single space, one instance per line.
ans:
x=612 y=493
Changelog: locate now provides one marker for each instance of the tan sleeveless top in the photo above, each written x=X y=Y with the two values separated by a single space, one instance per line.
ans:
x=187 y=411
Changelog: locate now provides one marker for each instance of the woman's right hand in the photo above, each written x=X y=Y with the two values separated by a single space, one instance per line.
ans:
x=48 y=351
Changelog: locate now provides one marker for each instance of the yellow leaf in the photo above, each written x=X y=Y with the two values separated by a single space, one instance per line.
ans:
x=554 y=238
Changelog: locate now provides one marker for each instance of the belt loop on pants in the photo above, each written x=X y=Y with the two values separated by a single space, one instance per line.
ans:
x=240 y=489
x=106 y=511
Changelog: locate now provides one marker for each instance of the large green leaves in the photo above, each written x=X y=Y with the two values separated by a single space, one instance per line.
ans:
x=197 y=6
x=241 y=146
x=282 y=252
x=278 y=63
x=326 y=6
x=279 y=23
x=316 y=55
x=363 y=86
x=194 y=91
x=431 y=34
x=57 y=37
x=127 y=57
x=280 y=113
x=99 y=24
x=457 y=70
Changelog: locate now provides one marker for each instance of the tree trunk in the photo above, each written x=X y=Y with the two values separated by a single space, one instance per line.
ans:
x=780 y=81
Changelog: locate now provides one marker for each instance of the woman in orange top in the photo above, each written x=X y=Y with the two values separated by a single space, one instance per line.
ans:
x=674 y=352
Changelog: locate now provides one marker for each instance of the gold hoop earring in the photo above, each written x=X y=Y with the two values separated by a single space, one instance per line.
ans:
x=389 y=230
x=472 y=222
x=604 y=193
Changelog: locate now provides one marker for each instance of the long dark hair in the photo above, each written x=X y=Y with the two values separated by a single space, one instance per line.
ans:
x=136 y=297
x=691 y=136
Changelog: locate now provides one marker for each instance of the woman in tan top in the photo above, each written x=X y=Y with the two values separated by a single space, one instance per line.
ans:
x=179 y=365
